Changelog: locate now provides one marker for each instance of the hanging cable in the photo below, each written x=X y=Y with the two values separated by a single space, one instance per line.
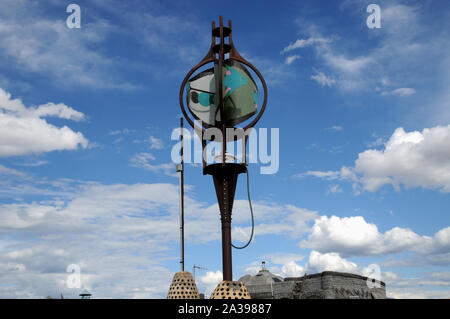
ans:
x=251 y=212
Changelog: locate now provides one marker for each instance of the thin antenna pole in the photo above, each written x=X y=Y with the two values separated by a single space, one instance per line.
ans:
x=198 y=267
x=181 y=199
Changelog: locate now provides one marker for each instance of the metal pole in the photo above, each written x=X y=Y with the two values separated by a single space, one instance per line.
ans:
x=182 y=199
x=226 y=211
x=198 y=267
x=226 y=234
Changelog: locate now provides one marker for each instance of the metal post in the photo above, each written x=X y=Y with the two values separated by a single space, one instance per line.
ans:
x=226 y=234
x=181 y=199
x=226 y=211
x=198 y=267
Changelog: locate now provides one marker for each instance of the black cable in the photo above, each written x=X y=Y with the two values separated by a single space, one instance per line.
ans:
x=251 y=212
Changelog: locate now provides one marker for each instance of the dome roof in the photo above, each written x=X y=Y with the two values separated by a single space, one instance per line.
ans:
x=263 y=277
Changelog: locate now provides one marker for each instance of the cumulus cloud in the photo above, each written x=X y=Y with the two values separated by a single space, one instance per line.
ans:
x=412 y=159
x=24 y=130
x=292 y=269
x=329 y=262
x=353 y=236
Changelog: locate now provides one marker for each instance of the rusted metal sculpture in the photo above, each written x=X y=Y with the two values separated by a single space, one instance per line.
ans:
x=225 y=174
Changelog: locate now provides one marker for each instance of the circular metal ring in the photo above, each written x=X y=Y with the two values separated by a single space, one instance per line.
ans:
x=183 y=84
x=204 y=62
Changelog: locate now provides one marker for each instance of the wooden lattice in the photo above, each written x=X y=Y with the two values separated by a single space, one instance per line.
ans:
x=183 y=287
x=230 y=290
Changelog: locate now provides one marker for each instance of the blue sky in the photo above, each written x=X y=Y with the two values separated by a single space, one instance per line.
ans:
x=86 y=117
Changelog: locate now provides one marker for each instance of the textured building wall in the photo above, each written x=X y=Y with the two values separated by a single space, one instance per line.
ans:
x=335 y=285
x=325 y=285
x=278 y=290
x=283 y=289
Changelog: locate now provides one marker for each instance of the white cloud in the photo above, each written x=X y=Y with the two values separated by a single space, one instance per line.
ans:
x=291 y=59
x=348 y=234
x=156 y=143
x=292 y=269
x=212 y=277
x=300 y=43
x=329 y=262
x=353 y=236
x=390 y=52
x=120 y=235
x=36 y=44
x=377 y=142
x=422 y=286
x=343 y=174
x=400 y=92
x=121 y=245
x=283 y=258
x=23 y=130
x=274 y=72
x=335 y=128
x=417 y=293
x=414 y=159
x=288 y=265
x=37 y=40
x=334 y=189
x=132 y=222
x=253 y=268
x=58 y=110
x=142 y=160
x=346 y=64
x=209 y=281
x=323 y=79
x=124 y=131
x=9 y=171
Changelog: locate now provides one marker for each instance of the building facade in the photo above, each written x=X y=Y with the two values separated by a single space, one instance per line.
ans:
x=324 y=285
